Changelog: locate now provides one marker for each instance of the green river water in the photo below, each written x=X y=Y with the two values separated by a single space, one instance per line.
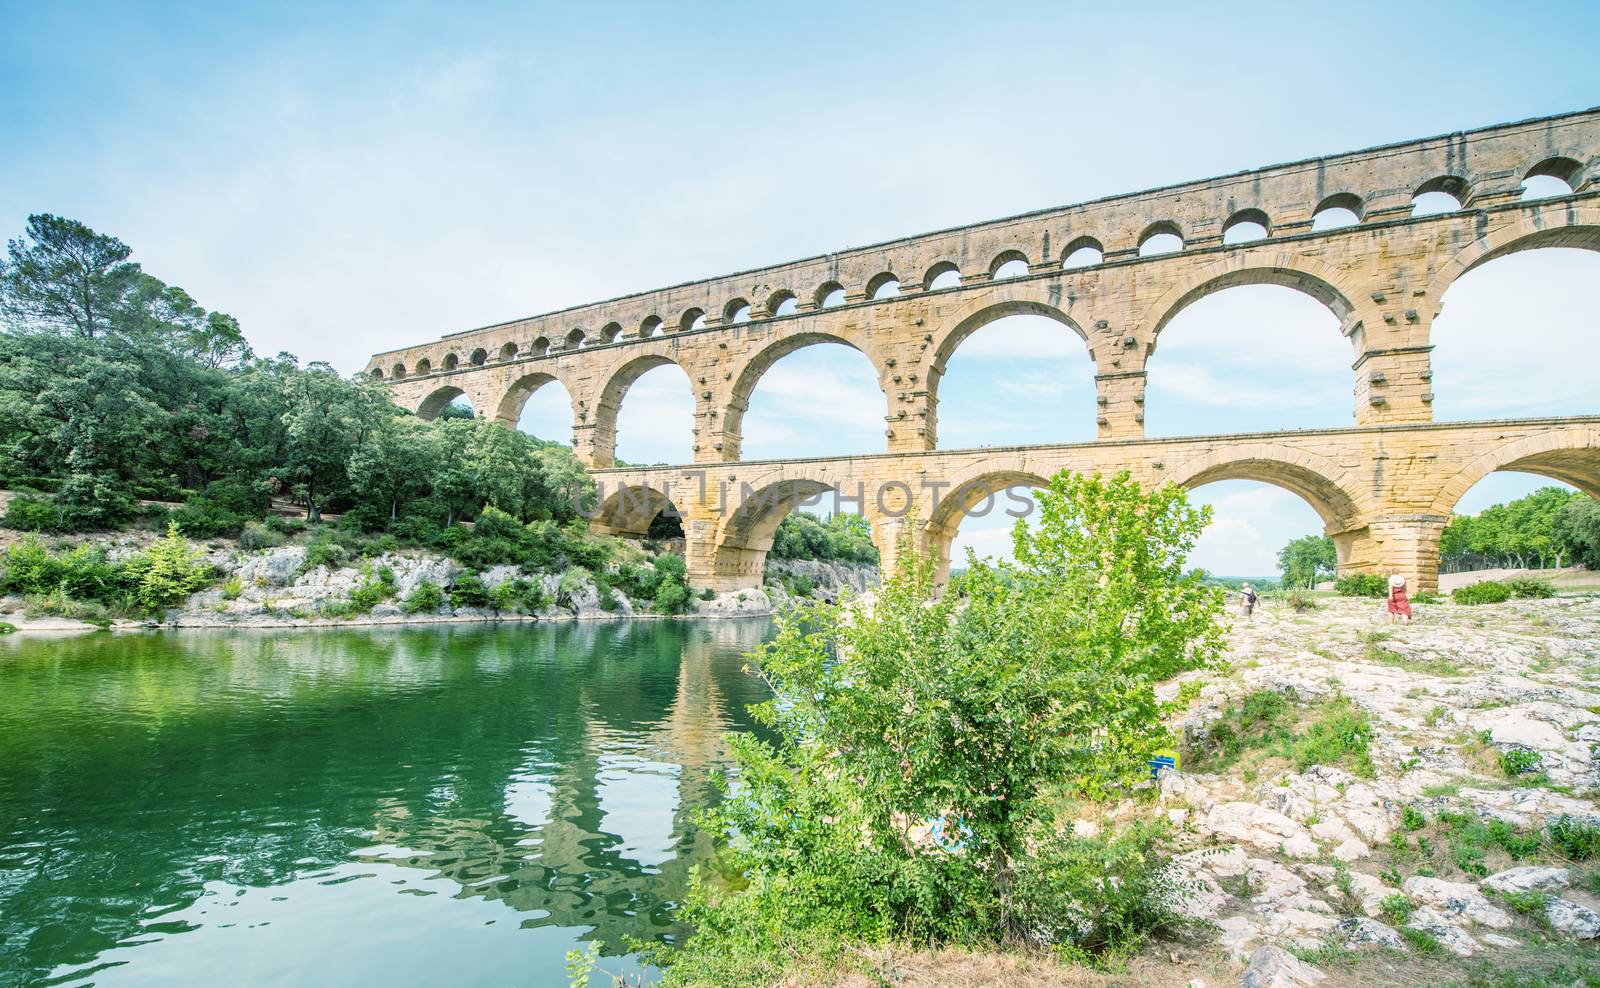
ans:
x=455 y=806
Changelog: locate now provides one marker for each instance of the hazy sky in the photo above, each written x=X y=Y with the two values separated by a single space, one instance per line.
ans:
x=346 y=178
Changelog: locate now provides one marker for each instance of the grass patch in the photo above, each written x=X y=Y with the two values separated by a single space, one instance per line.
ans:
x=1376 y=652
x=1267 y=724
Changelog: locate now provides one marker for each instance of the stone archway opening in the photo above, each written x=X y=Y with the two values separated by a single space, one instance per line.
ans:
x=1022 y=378
x=645 y=414
x=807 y=395
x=448 y=402
x=806 y=535
x=540 y=406
x=976 y=519
x=1518 y=334
x=1242 y=357
x=1252 y=523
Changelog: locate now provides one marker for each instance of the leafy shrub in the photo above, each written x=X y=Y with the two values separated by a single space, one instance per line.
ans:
x=369 y=593
x=27 y=513
x=671 y=598
x=708 y=594
x=232 y=588
x=257 y=536
x=1519 y=761
x=1397 y=908
x=1362 y=585
x=167 y=572
x=7 y=627
x=1487 y=592
x=571 y=585
x=326 y=552
x=1525 y=903
x=469 y=591
x=1300 y=601
x=1530 y=587
x=1412 y=819
x=980 y=712
x=30 y=568
x=1099 y=898
x=1575 y=839
x=424 y=598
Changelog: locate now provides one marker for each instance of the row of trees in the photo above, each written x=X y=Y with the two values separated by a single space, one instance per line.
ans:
x=115 y=386
x=1552 y=527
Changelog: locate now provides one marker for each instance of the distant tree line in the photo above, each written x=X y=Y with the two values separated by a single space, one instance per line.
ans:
x=842 y=537
x=1551 y=527
x=116 y=387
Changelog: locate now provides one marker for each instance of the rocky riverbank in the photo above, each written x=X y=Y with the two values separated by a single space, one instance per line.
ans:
x=285 y=587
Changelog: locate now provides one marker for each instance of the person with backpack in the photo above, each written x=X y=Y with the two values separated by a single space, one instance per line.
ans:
x=1247 y=597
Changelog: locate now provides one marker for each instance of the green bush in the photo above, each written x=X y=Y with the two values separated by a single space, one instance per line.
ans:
x=167 y=572
x=27 y=513
x=424 y=598
x=1575 y=839
x=326 y=552
x=671 y=598
x=979 y=712
x=1530 y=587
x=1397 y=908
x=30 y=568
x=1519 y=761
x=1299 y=601
x=469 y=591
x=1362 y=585
x=369 y=593
x=256 y=536
x=1101 y=898
x=1487 y=592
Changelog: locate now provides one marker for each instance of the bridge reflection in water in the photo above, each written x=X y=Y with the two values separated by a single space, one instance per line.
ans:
x=554 y=771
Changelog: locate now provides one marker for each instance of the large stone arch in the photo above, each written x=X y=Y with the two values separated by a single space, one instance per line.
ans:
x=434 y=403
x=618 y=379
x=1552 y=223
x=1031 y=297
x=969 y=490
x=1330 y=489
x=630 y=508
x=756 y=365
x=1005 y=298
x=751 y=513
x=1568 y=455
x=1262 y=266
x=509 y=408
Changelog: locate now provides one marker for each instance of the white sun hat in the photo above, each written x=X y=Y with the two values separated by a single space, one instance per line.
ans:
x=1397 y=580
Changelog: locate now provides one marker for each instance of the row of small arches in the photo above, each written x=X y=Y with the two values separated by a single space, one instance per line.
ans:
x=1550 y=178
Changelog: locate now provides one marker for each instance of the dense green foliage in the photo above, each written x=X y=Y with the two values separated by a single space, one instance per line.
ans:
x=1500 y=591
x=1362 y=585
x=975 y=712
x=115 y=387
x=1307 y=560
x=1550 y=527
x=1271 y=724
x=159 y=577
x=843 y=537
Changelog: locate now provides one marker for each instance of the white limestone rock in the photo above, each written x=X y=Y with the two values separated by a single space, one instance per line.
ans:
x=1274 y=967
x=1528 y=878
x=1457 y=901
x=1358 y=932
x=1565 y=916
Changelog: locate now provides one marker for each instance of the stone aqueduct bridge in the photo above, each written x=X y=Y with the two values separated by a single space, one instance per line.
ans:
x=1383 y=487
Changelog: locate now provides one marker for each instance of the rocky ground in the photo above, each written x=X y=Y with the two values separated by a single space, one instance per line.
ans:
x=1483 y=731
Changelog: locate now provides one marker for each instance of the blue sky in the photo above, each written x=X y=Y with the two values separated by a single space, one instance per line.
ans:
x=346 y=180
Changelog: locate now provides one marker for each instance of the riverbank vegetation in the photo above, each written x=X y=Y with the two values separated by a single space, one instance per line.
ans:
x=922 y=749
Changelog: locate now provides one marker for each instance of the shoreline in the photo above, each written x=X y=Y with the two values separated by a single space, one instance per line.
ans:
x=69 y=626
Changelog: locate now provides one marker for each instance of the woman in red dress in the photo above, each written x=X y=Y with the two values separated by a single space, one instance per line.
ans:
x=1399 y=606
